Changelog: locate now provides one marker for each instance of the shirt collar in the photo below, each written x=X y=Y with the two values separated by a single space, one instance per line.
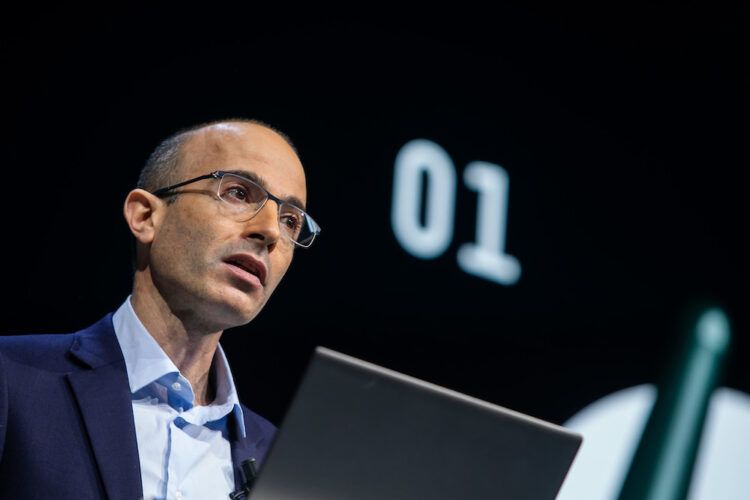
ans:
x=146 y=361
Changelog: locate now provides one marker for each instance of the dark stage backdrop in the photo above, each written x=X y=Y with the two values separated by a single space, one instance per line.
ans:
x=599 y=153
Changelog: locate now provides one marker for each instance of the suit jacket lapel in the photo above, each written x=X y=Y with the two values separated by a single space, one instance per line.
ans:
x=242 y=448
x=104 y=399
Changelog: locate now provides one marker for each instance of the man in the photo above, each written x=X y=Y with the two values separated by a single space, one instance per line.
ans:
x=142 y=403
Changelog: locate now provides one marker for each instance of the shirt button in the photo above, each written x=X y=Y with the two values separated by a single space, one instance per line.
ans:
x=176 y=386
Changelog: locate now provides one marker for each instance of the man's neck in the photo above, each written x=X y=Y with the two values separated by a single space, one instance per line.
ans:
x=191 y=351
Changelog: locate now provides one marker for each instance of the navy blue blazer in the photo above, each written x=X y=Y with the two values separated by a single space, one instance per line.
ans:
x=66 y=419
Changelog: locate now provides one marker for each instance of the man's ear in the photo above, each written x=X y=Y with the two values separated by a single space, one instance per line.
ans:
x=142 y=211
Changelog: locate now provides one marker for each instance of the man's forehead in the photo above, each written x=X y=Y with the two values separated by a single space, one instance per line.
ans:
x=230 y=137
x=249 y=147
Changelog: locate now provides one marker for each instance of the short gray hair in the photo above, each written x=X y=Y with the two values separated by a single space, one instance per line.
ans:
x=161 y=165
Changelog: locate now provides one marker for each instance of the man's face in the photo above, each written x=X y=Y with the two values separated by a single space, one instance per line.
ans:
x=215 y=272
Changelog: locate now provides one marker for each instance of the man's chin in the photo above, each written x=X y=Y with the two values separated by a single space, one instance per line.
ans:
x=216 y=312
x=242 y=311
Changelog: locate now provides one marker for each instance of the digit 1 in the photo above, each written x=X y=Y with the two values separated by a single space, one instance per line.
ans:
x=487 y=258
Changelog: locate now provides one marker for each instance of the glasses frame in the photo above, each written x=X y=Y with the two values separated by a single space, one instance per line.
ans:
x=219 y=174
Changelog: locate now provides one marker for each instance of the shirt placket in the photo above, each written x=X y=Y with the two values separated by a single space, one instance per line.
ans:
x=179 y=398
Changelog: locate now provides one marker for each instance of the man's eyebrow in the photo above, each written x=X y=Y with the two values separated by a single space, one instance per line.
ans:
x=262 y=183
x=250 y=175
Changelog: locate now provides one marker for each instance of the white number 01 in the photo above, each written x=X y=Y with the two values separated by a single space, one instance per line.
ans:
x=422 y=159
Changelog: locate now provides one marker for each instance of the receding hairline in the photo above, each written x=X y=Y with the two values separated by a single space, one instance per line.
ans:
x=167 y=157
x=183 y=136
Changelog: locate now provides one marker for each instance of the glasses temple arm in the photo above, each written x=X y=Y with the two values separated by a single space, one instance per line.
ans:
x=163 y=190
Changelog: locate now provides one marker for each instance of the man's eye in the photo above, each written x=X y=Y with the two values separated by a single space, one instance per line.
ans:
x=236 y=193
x=293 y=222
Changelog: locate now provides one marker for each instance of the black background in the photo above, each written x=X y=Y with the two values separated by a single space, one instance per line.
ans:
x=623 y=130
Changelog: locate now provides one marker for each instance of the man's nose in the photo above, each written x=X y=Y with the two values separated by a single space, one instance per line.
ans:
x=265 y=224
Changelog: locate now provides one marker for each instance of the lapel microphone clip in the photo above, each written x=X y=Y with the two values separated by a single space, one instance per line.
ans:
x=249 y=473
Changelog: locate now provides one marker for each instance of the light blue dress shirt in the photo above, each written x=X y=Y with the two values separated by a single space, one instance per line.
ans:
x=183 y=448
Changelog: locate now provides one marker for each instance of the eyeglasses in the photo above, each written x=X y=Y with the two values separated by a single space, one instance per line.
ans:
x=243 y=198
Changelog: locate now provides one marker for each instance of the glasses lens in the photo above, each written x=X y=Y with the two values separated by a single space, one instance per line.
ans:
x=243 y=197
x=297 y=225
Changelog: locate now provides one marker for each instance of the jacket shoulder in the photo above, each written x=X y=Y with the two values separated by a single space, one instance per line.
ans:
x=30 y=347
x=43 y=350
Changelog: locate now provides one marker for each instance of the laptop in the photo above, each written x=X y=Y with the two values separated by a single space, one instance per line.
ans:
x=358 y=431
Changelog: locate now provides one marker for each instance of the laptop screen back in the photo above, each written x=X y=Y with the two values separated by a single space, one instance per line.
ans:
x=359 y=431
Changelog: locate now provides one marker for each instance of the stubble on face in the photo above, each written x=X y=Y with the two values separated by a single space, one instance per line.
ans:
x=188 y=255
